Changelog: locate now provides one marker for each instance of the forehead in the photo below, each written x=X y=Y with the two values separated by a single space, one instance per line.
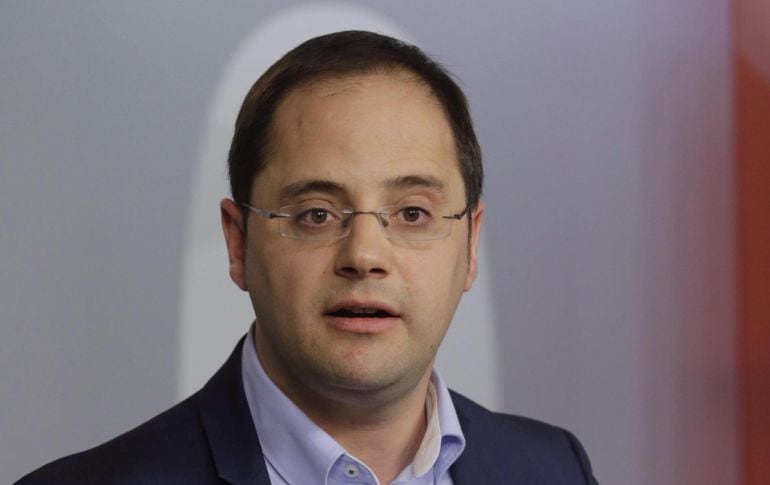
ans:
x=360 y=132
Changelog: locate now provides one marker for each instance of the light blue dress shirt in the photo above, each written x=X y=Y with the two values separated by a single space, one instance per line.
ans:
x=298 y=452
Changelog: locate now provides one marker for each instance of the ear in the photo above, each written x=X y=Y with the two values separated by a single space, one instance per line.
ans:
x=477 y=215
x=232 y=226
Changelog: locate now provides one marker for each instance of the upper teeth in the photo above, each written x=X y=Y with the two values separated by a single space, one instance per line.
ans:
x=363 y=310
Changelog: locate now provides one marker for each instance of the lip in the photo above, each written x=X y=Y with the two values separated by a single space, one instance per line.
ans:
x=352 y=303
x=362 y=325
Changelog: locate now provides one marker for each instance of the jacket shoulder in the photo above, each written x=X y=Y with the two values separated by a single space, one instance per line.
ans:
x=169 y=448
x=508 y=446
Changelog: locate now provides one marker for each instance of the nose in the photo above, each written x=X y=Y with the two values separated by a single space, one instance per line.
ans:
x=365 y=252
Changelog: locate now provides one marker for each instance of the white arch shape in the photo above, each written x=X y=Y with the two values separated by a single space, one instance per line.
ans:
x=213 y=312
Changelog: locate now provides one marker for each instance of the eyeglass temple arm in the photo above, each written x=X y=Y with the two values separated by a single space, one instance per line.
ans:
x=264 y=213
x=457 y=216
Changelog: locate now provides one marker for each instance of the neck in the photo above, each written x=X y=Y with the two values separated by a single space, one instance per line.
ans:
x=386 y=439
x=382 y=429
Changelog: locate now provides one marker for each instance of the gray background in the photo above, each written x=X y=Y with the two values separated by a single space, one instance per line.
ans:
x=606 y=130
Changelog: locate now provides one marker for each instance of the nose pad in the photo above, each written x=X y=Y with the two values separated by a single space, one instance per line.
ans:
x=347 y=223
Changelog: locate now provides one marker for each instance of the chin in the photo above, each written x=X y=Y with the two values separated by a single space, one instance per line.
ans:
x=384 y=381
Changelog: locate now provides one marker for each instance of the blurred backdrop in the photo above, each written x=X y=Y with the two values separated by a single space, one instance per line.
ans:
x=607 y=302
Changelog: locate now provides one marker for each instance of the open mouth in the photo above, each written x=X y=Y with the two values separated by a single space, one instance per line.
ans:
x=360 y=313
x=362 y=317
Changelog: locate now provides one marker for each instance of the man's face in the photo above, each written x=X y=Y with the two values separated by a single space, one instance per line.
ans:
x=362 y=142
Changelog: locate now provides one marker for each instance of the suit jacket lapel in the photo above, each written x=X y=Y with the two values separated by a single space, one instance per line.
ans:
x=227 y=422
x=468 y=469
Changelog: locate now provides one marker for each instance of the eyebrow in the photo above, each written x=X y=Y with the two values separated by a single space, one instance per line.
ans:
x=303 y=187
x=409 y=181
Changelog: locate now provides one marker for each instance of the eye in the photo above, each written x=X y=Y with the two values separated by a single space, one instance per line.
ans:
x=315 y=216
x=413 y=215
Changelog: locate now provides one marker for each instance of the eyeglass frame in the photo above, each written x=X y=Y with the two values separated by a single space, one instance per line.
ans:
x=349 y=213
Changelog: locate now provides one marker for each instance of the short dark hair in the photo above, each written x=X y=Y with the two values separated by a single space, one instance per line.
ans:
x=338 y=55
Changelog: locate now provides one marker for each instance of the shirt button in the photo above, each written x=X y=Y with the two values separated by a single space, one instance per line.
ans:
x=351 y=471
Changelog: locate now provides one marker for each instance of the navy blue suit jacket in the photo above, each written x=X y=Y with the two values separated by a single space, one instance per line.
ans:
x=209 y=438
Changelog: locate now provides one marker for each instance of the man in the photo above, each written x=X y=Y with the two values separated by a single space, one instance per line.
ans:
x=356 y=181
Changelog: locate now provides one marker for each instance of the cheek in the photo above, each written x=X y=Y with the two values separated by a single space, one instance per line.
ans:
x=436 y=278
x=454 y=262
x=283 y=281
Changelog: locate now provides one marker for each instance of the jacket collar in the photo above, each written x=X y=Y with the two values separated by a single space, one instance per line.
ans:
x=227 y=422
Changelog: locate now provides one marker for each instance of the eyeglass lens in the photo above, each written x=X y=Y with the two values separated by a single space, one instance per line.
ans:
x=319 y=220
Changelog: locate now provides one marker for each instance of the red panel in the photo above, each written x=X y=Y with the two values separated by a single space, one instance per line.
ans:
x=752 y=124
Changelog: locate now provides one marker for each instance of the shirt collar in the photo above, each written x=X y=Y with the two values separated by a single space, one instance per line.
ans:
x=301 y=452
x=296 y=447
